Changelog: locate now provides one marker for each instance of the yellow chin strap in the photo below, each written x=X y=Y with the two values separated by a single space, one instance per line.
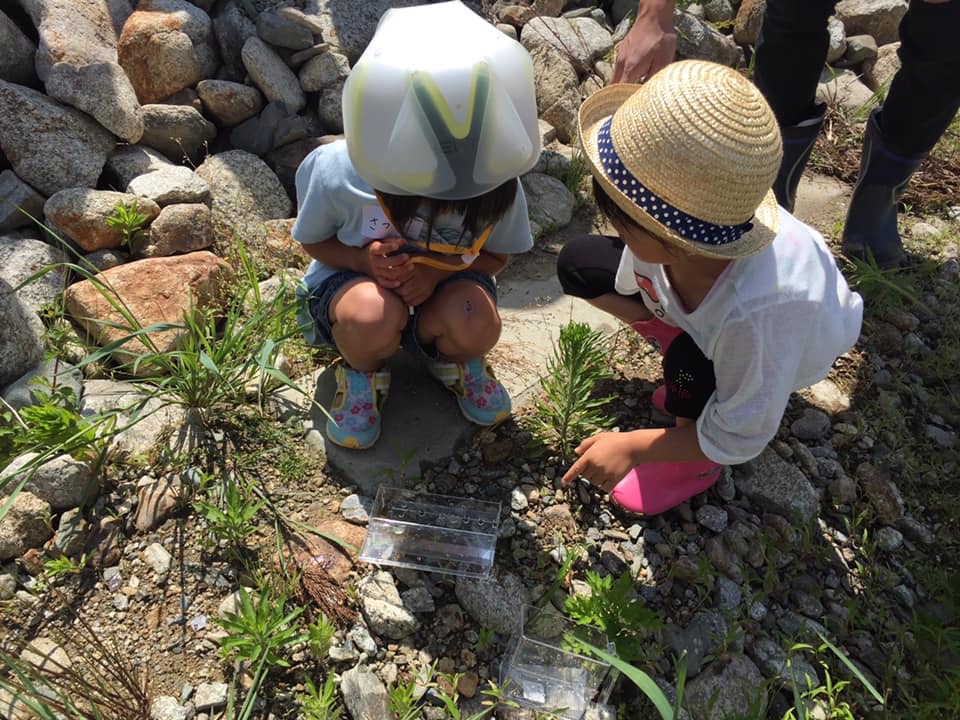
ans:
x=441 y=255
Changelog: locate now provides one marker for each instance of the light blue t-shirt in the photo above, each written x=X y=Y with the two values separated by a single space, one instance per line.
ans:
x=334 y=200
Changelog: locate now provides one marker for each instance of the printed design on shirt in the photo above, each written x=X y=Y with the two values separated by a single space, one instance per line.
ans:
x=651 y=299
x=376 y=224
x=681 y=384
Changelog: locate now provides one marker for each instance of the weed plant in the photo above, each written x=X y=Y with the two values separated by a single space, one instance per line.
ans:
x=127 y=218
x=230 y=515
x=567 y=409
x=319 y=636
x=320 y=703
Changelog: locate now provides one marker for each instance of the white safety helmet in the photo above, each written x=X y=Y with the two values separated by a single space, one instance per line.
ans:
x=441 y=104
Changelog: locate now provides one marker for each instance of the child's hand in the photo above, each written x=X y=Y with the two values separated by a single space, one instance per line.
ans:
x=420 y=284
x=604 y=459
x=390 y=271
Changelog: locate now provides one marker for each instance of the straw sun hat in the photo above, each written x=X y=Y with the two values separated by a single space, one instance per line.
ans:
x=691 y=156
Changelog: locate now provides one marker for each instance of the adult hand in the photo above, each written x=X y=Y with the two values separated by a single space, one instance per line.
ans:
x=650 y=44
x=390 y=271
x=604 y=459
x=420 y=283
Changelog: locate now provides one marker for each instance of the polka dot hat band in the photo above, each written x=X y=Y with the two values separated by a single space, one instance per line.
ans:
x=680 y=222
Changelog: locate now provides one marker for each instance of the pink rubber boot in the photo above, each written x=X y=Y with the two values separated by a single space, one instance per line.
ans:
x=654 y=488
x=661 y=335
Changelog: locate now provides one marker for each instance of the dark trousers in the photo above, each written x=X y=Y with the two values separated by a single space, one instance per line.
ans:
x=923 y=98
x=587 y=268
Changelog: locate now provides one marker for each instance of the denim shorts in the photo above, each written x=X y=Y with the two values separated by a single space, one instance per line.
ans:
x=314 y=307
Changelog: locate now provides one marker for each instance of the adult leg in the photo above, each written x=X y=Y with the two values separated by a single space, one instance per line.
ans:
x=923 y=99
x=790 y=53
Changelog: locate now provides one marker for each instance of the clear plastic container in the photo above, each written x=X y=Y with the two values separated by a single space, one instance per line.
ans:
x=547 y=668
x=435 y=533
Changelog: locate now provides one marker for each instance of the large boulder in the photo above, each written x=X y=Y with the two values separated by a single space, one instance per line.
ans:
x=156 y=290
x=166 y=46
x=232 y=29
x=243 y=193
x=77 y=62
x=730 y=685
x=229 y=103
x=180 y=228
x=26 y=525
x=176 y=130
x=130 y=161
x=775 y=485
x=16 y=53
x=170 y=185
x=879 y=18
x=698 y=40
x=878 y=72
x=49 y=145
x=61 y=481
x=349 y=26
x=558 y=94
x=270 y=73
x=746 y=26
x=21 y=336
x=581 y=40
x=81 y=214
x=20 y=258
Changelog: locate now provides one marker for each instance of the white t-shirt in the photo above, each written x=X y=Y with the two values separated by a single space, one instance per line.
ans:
x=771 y=324
x=334 y=200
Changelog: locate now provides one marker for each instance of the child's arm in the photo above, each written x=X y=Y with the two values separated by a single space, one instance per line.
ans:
x=372 y=259
x=606 y=457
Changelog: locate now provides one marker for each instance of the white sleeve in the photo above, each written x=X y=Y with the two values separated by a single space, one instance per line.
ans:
x=756 y=360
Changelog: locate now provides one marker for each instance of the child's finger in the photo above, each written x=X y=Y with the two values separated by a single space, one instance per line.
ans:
x=585 y=445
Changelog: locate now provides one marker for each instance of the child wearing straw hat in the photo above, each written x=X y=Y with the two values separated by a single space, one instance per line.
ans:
x=744 y=301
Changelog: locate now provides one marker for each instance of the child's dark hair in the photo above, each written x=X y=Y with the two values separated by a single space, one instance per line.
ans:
x=607 y=206
x=478 y=212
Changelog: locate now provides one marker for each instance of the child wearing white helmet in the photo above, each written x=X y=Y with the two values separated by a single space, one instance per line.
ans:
x=410 y=218
x=744 y=301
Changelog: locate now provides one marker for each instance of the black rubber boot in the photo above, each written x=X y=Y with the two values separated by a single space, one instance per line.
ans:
x=871 y=227
x=798 y=141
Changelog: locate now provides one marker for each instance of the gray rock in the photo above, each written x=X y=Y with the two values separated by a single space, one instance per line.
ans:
x=612 y=559
x=62 y=482
x=176 y=130
x=877 y=18
x=210 y=696
x=157 y=558
x=346 y=652
x=20 y=202
x=330 y=108
x=229 y=103
x=81 y=214
x=882 y=493
x=16 y=53
x=915 y=530
x=812 y=425
x=180 y=228
x=72 y=534
x=103 y=91
x=165 y=707
x=362 y=638
x=718 y=11
x=21 y=336
x=843 y=88
x=356 y=509
x=838 y=40
x=905 y=596
x=558 y=94
x=310 y=22
x=269 y=73
x=726 y=689
x=701 y=636
x=495 y=601
x=21 y=259
x=165 y=47
x=860 y=48
x=697 y=40
x=104 y=260
x=364 y=695
x=418 y=600
x=131 y=161
x=275 y=126
x=549 y=202
x=383 y=608
x=323 y=71
x=727 y=593
x=772 y=661
x=8 y=586
x=50 y=146
x=279 y=31
x=889 y=539
x=518 y=501
x=169 y=185
x=26 y=525
x=232 y=28
x=940 y=436
x=712 y=518
x=779 y=487
x=879 y=72
x=350 y=26
x=141 y=420
x=244 y=192
x=582 y=40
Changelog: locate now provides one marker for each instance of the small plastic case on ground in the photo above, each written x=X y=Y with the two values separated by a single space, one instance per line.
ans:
x=436 y=533
x=546 y=666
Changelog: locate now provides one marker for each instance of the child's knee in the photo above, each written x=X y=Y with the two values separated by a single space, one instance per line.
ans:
x=469 y=318
x=365 y=307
